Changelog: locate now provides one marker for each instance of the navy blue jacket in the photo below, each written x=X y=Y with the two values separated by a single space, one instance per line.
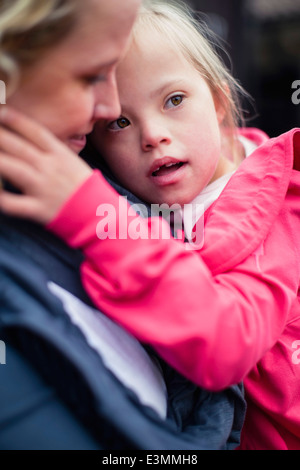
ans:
x=55 y=391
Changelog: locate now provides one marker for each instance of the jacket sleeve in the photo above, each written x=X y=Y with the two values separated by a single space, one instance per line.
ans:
x=209 y=328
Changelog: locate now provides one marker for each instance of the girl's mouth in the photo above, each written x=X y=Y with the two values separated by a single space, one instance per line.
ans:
x=169 y=172
x=167 y=169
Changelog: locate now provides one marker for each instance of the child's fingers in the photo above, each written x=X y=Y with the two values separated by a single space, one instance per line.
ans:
x=20 y=206
x=28 y=129
x=17 y=172
x=16 y=146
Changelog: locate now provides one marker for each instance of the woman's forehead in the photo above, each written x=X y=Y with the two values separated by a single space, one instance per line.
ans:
x=101 y=34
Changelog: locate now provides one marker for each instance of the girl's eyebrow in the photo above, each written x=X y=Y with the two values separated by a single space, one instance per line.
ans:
x=166 y=85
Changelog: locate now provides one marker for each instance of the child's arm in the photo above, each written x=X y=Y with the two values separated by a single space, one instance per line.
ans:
x=212 y=329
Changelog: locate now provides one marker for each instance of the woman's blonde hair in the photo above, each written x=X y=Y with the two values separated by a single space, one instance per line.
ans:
x=177 y=23
x=28 y=28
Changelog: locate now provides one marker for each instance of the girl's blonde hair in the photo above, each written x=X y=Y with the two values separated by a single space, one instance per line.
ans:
x=28 y=28
x=177 y=23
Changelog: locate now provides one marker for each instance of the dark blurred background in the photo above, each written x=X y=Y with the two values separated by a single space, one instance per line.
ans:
x=262 y=37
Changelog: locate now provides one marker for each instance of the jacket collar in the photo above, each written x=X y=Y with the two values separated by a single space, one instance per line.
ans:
x=240 y=219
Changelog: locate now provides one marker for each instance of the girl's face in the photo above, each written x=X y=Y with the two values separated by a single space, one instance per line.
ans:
x=74 y=84
x=165 y=145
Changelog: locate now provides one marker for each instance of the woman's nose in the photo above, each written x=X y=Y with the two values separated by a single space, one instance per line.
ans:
x=153 y=136
x=107 y=103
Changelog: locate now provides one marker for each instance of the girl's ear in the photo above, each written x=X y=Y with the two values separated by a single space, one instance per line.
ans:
x=220 y=110
x=222 y=102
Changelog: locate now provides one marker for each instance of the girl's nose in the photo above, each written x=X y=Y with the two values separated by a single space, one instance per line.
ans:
x=153 y=136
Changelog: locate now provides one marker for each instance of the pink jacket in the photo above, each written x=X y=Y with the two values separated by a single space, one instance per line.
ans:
x=226 y=313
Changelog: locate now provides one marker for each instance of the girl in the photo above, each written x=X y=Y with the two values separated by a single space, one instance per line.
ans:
x=220 y=314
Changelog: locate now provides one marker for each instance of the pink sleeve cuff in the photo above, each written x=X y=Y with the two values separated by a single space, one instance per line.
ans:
x=77 y=219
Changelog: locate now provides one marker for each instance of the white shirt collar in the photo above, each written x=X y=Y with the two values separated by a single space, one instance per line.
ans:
x=186 y=218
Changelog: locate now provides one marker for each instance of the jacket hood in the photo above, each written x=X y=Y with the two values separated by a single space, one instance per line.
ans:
x=240 y=219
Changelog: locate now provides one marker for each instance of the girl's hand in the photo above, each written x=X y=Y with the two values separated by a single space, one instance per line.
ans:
x=39 y=165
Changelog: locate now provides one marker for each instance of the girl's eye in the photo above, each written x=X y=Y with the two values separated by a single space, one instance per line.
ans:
x=174 y=101
x=120 y=123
